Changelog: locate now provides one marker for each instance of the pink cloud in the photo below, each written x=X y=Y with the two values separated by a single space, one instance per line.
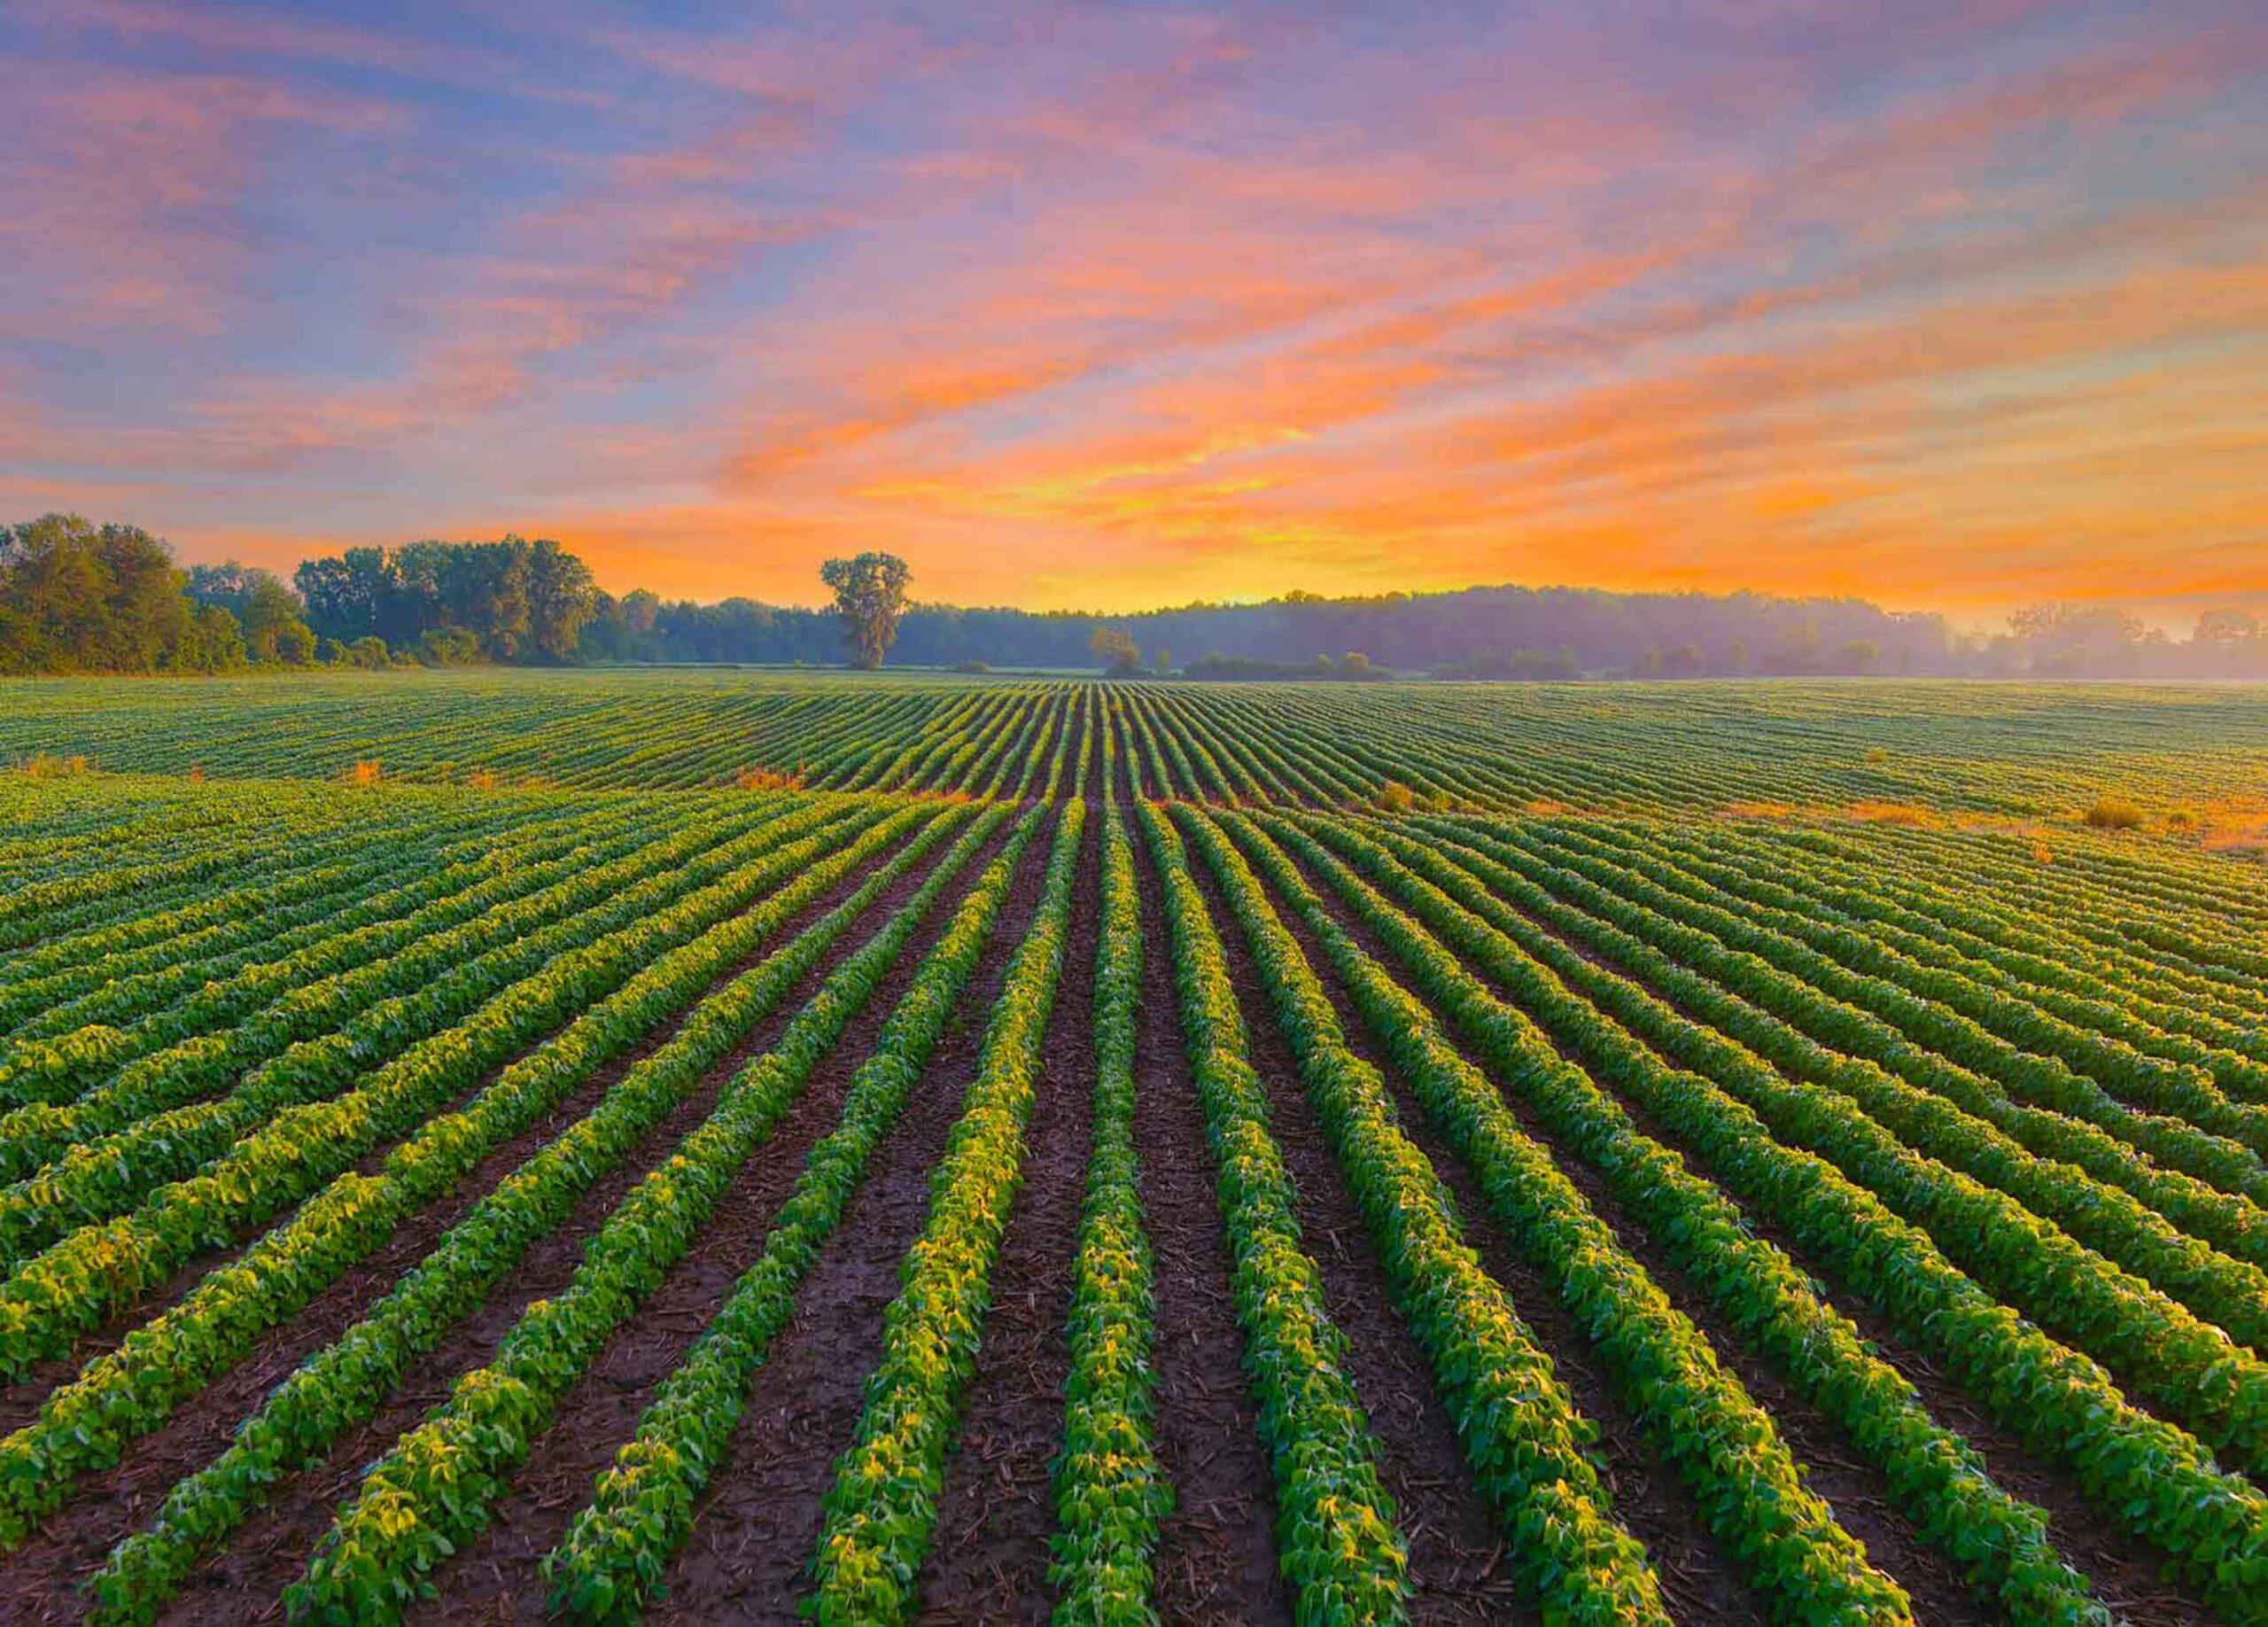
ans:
x=1076 y=301
x=120 y=206
x=224 y=31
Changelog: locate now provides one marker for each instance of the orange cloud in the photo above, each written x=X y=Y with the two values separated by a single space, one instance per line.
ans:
x=1084 y=307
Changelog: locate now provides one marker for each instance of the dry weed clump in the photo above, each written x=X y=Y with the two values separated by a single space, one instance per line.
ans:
x=1912 y=815
x=767 y=778
x=2243 y=834
x=2114 y=813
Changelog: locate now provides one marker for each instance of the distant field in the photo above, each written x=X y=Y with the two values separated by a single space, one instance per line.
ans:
x=2044 y=751
x=714 y=1146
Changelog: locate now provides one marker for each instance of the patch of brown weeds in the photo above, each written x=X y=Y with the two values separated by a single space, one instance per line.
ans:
x=1912 y=815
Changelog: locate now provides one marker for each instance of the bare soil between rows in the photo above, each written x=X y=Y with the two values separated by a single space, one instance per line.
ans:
x=988 y=1558
x=2124 y=1570
x=261 y=1558
x=1216 y=1561
x=758 y=1523
x=1456 y=1572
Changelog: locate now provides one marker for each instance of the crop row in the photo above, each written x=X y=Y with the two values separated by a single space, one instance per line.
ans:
x=99 y=1267
x=2062 y=1169
x=1110 y=1491
x=2145 y=1474
x=333 y=995
x=1763 y=1297
x=1336 y=1536
x=2183 y=1365
x=85 y=1424
x=2186 y=1087
x=2040 y=752
x=1523 y=1439
x=343 y=1384
x=1723 y=1444
x=427 y=1496
x=883 y=1503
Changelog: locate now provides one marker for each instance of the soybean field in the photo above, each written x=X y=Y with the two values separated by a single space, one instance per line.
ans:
x=2028 y=748
x=714 y=1145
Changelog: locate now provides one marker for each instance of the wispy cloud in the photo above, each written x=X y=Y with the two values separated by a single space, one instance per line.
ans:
x=1085 y=305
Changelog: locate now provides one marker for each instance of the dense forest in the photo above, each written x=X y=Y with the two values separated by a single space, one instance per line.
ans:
x=75 y=596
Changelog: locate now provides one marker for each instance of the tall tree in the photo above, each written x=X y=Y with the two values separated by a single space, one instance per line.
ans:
x=483 y=588
x=78 y=597
x=562 y=597
x=510 y=600
x=271 y=616
x=350 y=597
x=869 y=596
x=2080 y=638
x=1115 y=649
x=214 y=643
x=2227 y=638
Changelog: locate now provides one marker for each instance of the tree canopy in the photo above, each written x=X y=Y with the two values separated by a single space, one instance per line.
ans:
x=510 y=600
x=272 y=618
x=869 y=596
x=78 y=598
x=1115 y=649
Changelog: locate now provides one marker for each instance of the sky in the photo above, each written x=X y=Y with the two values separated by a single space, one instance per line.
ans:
x=1949 y=304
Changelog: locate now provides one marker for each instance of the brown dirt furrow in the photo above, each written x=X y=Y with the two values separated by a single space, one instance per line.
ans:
x=497 y=1577
x=759 y=1518
x=1089 y=766
x=21 y=1400
x=274 y=1545
x=114 y=1504
x=1125 y=774
x=1134 y=780
x=989 y=1560
x=2124 y=1569
x=1216 y=1548
x=1699 y=1582
x=1456 y=1550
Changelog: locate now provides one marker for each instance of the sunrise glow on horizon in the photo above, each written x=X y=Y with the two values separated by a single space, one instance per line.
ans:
x=1109 y=307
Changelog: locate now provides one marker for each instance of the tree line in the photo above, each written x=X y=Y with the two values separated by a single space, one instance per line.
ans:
x=1476 y=633
x=78 y=597
x=1501 y=632
x=75 y=596
x=451 y=604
